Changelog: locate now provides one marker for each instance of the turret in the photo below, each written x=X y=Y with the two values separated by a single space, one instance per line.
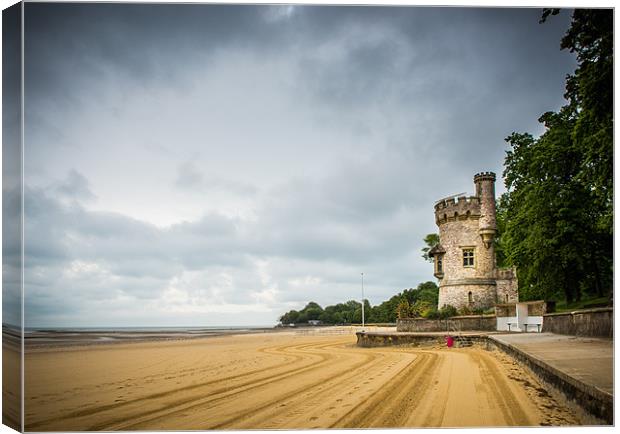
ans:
x=465 y=256
x=485 y=190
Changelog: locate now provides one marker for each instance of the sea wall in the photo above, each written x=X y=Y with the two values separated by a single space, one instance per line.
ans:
x=468 y=323
x=379 y=339
x=592 y=322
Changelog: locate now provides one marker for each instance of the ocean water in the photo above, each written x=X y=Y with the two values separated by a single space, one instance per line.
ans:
x=67 y=336
x=146 y=329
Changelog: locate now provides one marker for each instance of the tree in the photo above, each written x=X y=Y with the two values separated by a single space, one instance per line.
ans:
x=431 y=240
x=556 y=219
x=290 y=317
x=501 y=209
x=312 y=311
x=418 y=302
x=428 y=292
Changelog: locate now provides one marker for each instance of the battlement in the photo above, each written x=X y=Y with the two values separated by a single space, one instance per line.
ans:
x=506 y=273
x=484 y=176
x=460 y=208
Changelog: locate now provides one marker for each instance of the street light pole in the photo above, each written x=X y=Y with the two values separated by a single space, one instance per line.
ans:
x=362 y=300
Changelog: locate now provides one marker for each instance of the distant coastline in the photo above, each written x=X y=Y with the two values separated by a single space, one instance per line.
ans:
x=39 y=337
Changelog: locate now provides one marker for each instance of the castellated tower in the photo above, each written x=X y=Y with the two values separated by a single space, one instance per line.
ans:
x=465 y=256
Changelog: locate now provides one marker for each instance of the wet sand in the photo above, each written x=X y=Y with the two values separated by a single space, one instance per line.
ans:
x=283 y=380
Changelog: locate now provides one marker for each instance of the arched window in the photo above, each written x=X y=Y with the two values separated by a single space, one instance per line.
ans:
x=470 y=298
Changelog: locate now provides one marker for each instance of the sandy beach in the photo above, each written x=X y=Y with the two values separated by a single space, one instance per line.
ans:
x=283 y=380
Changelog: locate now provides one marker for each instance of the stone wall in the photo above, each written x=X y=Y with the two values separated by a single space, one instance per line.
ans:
x=507 y=286
x=465 y=323
x=505 y=310
x=456 y=293
x=591 y=322
x=458 y=280
x=370 y=339
x=536 y=308
x=455 y=235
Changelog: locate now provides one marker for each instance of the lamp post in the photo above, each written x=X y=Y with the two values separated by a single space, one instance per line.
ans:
x=362 y=301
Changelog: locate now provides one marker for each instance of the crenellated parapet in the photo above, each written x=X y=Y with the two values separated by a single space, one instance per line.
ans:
x=461 y=208
x=506 y=273
x=484 y=176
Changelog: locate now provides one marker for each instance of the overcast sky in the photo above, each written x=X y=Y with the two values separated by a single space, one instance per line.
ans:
x=220 y=165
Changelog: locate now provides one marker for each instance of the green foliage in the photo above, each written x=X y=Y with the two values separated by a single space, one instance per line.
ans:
x=431 y=240
x=589 y=303
x=412 y=302
x=465 y=310
x=447 y=311
x=403 y=309
x=431 y=314
x=420 y=308
x=312 y=311
x=555 y=223
x=501 y=209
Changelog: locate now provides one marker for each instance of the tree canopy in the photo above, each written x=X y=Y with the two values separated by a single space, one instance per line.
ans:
x=557 y=215
x=431 y=240
x=418 y=300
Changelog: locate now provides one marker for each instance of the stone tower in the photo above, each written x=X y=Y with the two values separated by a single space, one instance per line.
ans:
x=465 y=256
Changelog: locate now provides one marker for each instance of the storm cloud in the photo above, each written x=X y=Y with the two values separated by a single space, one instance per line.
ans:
x=221 y=164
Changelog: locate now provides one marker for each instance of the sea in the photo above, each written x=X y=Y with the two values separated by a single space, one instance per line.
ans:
x=68 y=336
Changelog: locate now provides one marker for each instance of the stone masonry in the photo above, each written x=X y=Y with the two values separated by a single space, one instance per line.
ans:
x=465 y=256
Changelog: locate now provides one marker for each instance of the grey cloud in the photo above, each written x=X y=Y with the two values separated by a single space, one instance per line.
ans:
x=75 y=186
x=190 y=178
x=445 y=76
x=89 y=255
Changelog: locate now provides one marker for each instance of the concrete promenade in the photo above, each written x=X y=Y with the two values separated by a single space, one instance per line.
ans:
x=589 y=360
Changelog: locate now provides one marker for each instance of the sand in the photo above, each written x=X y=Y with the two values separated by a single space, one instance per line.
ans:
x=279 y=381
x=11 y=383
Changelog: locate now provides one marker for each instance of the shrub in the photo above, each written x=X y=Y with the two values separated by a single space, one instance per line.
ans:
x=420 y=307
x=431 y=313
x=447 y=311
x=403 y=310
x=465 y=310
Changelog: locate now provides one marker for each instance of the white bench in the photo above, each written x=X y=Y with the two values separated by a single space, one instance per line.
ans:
x=535 y=324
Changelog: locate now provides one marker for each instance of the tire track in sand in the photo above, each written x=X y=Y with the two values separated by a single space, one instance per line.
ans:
x=165 y=410
x=140 y=402
x=502 y=392
x=342 y=389
x=394 y=402
x=470 y=390
x=227 y=408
